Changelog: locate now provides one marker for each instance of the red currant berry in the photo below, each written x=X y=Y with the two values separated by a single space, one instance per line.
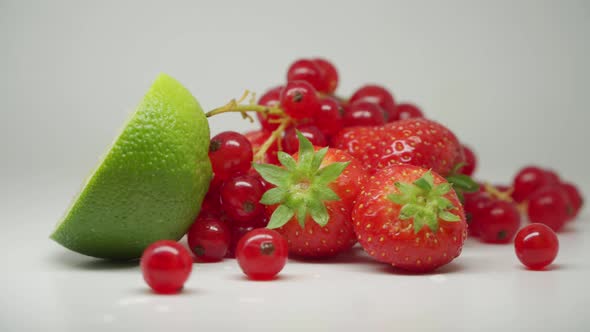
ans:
x=211 y=203
x=380 y=96
x=299 y=100
x=308 y=71
x=209 y=238
x=240 y=198
x=230 y=153
x=499 y=222
x=311 y=132
x=166 y=265
x=329 y=75
x=552 y=177
x=527 y=181
x=475 y=205
x=470 y=161
x=262 y=253
x=270 y=98
x=407 y=111
x=329 y=117
x=237 y=232
x=551 y=206
x=574 y=196
x=536 y=246
x=259 y=137
x=363 y=113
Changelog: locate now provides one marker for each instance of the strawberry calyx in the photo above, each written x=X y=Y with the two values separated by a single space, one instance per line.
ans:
x=301 y=185
x=461 y=183
x=424 y=201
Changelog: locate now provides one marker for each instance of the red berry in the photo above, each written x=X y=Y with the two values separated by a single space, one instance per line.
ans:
x=240 y=198
x=308 y=71
x=380 y=96
x=536 y=246
x=262 y=253
x=407 y=111
x=329 y=75
x=270 y=98
x=259 y=137
x=552 y=177
x=363 y=113
x=470 y=161
x=211 y=203
x=527 y=181
x=311 y=132
x=299 y=100
x=166 y=265
x=230 y=153
x=237 y=232
x=551 y=206
x=499 y=222
x=329 y=116
x=209 y=238
x=574 y=196
x=476 y=204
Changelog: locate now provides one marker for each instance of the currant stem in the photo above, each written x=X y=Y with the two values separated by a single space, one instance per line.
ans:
x=501 y=195
x=276 y=135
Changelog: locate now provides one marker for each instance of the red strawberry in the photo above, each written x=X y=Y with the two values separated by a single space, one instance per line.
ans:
x=419 y=142
x=411 y=218
x=257 y=138
x=313 y=199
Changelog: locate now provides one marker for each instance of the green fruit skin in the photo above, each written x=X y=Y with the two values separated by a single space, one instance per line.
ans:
x=151 y=184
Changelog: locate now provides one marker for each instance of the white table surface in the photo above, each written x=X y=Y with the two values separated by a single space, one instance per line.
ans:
x=46 y=287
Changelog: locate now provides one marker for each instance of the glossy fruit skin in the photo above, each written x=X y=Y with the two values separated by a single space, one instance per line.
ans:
x=270 y=98
x=575 y=197
x=407 y=111
x=209 y=239
x=311 y=132
x=299 y=100
x=257 y=138
x=551 y=206
x=166 y=265
x=378 y=95
x=499 y=222
x=470 y=161
x=363 y=113
x=329 y=117
x=476 y=204
x=237 y=232
x=240 y=198
x=314 y=241
x=392 y=240
x=306 y=70
x=329 y=75
x=230 y=153
x=552 y=177
x=527 y=181
x=419 y=142
x=262 y=253
x=536 y=246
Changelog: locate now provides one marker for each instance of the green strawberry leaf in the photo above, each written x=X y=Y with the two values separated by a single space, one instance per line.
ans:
x=273 y=196
x=280 y=216
x=286 y=160
x=271 y=173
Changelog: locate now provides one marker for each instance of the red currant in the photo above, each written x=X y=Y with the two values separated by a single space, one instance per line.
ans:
x=550 y=206
x=270 y=98
x=470 y=161
x=329 y=75
x=166 y=265
x=407 y=111
x=240 y=198
x=262 y=253
x=211 y=203
x=527 y=181
x=237 y=232
x=311 y=132
x=552 y=177
x=299 y=100
x=308 y=71
x=499 y=222
x=574 y=196
x=475 y=205
x=209 y=238
x=259 y=137
x=329 y=117
x=378 y=95
x=363 y=113
x=536 y=246
x=230 y=153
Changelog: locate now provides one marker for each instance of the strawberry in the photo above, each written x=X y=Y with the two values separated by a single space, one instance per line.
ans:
x=410 y=218
x=312 y=202
x=415 y=141
x=257 y=138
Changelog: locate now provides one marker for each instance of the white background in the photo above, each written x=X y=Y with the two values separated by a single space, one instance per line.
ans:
x=511 y=78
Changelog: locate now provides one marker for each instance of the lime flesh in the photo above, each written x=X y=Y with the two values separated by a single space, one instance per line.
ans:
x=151 y=183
